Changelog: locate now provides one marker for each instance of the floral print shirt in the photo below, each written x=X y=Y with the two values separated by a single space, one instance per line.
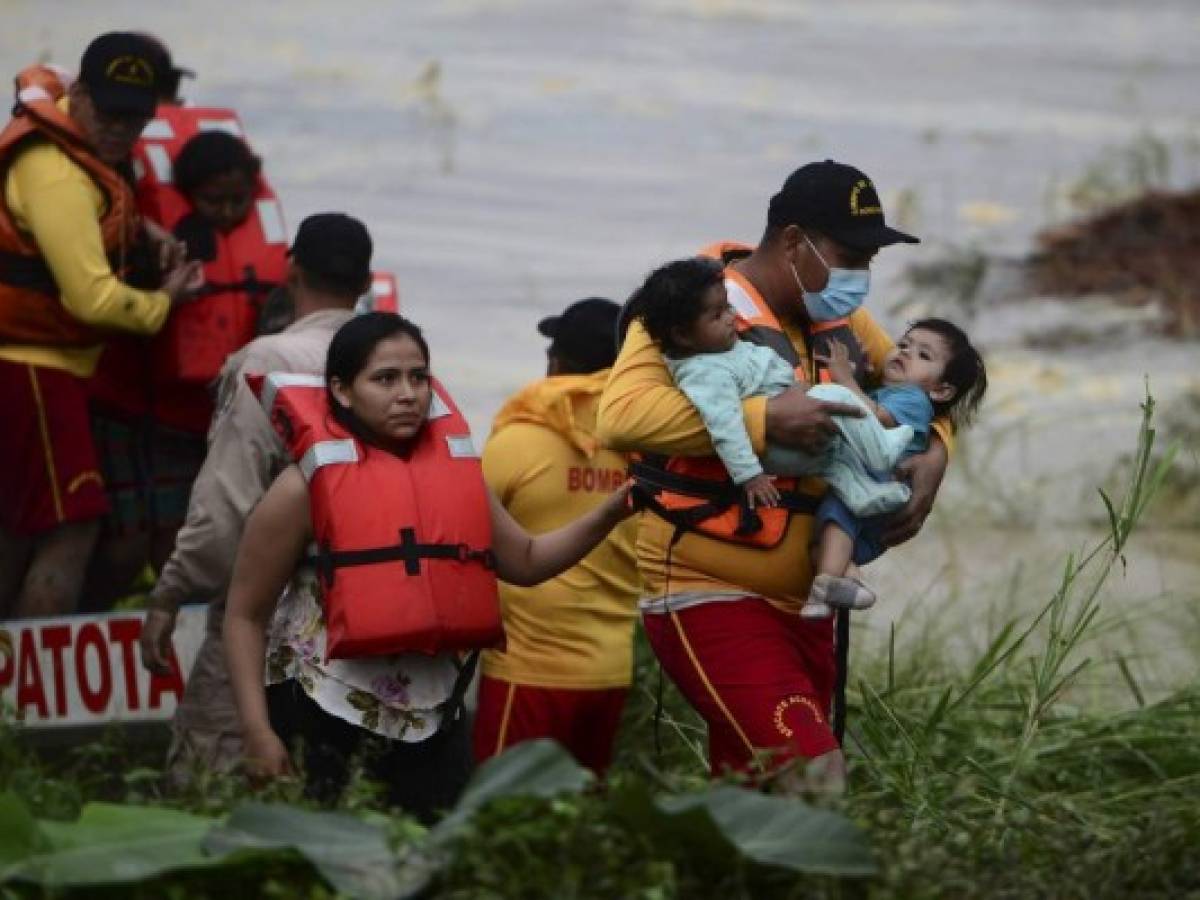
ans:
x=393 y=696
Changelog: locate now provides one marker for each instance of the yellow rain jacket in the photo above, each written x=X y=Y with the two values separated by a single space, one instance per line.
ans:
x=545 y=465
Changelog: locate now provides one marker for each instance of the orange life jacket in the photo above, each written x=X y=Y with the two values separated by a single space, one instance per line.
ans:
x=403 y=545
x=166 y=377
x=250 y=261
x=757 y=323
x=696 y=493
x=384 y=295
x=30 y=308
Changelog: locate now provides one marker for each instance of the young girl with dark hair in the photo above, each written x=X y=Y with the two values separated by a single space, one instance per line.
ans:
x=151 y=402
x=218 y=174
x=390 y=710
x=934 y=371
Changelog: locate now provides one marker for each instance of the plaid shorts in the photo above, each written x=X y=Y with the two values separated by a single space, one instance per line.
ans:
x=148 y=469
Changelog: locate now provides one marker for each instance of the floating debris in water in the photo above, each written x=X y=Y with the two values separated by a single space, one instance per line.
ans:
x=1140 y=252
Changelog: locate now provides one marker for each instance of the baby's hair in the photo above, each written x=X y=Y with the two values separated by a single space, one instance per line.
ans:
x=964 y=372
x=672 y=296
x=213 y=153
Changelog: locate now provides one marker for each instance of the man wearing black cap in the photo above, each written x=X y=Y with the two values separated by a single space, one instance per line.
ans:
x=171 y=76
x=68 y=226
x=330 y=268
x=568 y=660
x=722 y=615
x=583 y=339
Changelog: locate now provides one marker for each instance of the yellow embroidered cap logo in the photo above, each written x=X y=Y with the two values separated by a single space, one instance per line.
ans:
x=131 y=70
x=873 y=209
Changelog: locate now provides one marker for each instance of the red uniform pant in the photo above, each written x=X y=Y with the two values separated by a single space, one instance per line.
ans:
x=762 y=679
x=48 y=469
x=583 y=721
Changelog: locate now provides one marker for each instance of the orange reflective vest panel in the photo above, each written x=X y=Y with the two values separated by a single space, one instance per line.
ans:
x=30 y=310
x=249 y=262
x=403 y=545
x=757 y=323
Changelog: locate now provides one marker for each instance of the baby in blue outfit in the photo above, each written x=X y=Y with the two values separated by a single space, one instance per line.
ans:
x=933 y=371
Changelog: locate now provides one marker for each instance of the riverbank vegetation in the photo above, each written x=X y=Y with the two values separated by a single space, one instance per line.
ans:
x=1027 y=765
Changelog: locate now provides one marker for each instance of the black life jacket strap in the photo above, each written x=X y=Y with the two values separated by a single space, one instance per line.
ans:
x=250 y=285
x=684 y=520
x=409 y=551
x=651 y=480
x=842 y=656
x=454 y=707
x=27 y=272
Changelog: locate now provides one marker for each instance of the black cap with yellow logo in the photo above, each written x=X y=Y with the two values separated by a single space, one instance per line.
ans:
x=837 y=200
x=122 y=72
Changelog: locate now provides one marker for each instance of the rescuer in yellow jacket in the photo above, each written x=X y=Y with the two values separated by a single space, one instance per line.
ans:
x=723 y=617
x=68 y=232
x=568 y=660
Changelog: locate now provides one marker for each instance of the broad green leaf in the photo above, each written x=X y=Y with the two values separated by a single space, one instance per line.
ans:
x=689 y=829
x=784 y=832
x=20 y=837
x=538 y=768
x=114 y=844
x=727 y=822
x=352 y=855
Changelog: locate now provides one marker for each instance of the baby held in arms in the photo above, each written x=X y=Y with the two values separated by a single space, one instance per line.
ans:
x=934 y=371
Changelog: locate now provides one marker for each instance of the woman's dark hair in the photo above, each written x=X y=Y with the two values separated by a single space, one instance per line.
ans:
x=964 y=372
x=349 y=351
x=672 y=297
x=209 y=154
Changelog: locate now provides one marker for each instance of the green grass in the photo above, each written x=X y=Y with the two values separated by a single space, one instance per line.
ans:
x=1035 y=765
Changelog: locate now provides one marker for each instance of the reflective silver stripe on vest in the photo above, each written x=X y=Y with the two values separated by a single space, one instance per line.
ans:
x=32 y=94
x=276 y=380
x=160 y=162
x=741 y=302
x=324 y=453
x=270 y=217
x=229 y=126
x=158 y=130
x=437 y=408
x=461 y=446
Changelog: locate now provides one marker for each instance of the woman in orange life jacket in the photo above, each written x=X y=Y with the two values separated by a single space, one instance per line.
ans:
x=150 y=428
x=397 y=712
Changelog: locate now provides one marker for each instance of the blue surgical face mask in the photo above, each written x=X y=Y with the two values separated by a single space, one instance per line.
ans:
x=843 y=293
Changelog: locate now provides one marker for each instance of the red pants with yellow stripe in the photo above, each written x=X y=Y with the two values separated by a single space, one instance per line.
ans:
x=583 y=721
x=760 y=678
x=48 y=469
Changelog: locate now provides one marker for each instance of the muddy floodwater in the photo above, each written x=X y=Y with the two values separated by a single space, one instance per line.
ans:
x=512 y=156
